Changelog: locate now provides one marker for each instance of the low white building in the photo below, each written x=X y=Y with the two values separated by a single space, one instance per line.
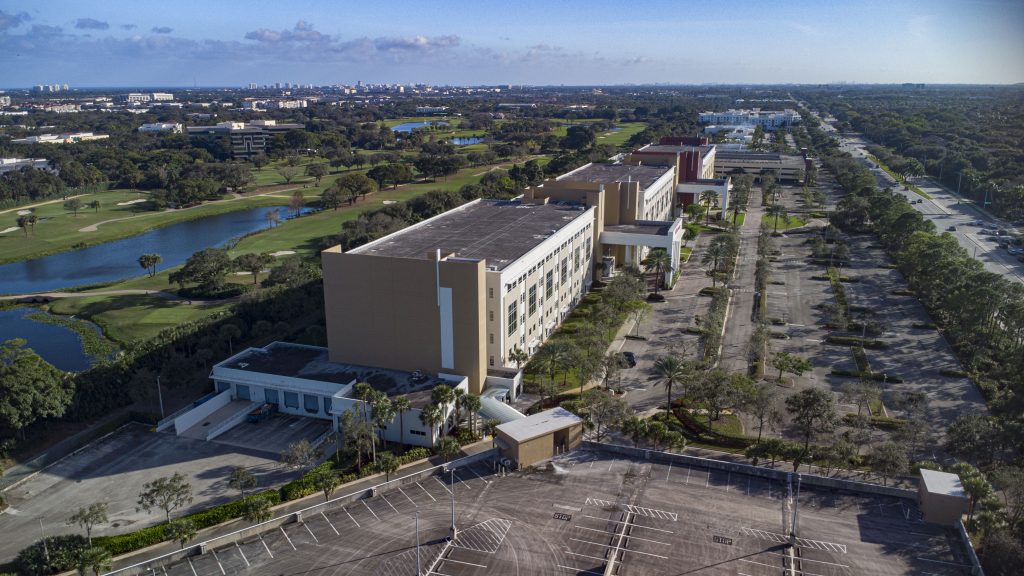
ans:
x=161 y=127
x=768 y=119
x=12 y=164
x=60 y=138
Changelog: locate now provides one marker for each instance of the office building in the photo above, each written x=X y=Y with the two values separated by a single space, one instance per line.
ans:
x=12 y=164
x=787 y=167
x=242 y=139
x=770 y=120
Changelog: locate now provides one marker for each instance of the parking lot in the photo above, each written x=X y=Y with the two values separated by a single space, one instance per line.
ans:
x=113 y=470
x=590 y=509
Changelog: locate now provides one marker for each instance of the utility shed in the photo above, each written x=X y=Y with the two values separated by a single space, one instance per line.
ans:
x=942 y=497
x=536 y=438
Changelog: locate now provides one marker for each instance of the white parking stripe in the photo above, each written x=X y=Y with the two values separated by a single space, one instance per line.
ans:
x=269 y=553
x=630 y=537
x=407 y=497
x=389 y=503
x=194 y=573
x=456 y=474
x=331 y=524
x=669 y=473
x=287 y=538
x=461 y=562
x=242 y=553
x=622 y=549
x=585 y=556
x=370 y=509
x=477 y=475
x=219 y=565
x=443 y=485
x=351 y=518
x=578 y=570
x=425 y=492
x=315 y=539
x=630 y=523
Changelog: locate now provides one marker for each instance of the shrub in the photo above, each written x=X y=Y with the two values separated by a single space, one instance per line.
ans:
x=855 y=341
x=708 y=291
x=63 y=551
x=880 y=422
x=652 y=297
x=925 y=325
x=953 y=373
x=878 y=376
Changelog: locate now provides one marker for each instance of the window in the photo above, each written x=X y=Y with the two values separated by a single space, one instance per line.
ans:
x=533 y=300
x=549 y=284
x=490 y=315
x=565 y=271
x=491 y=338
x=491 y=361
x=291 y=400
x=310 y=403
x=513 y=317
x=327 y=405
x=576 y=259
x=417 y=433
x=490 y=292
x=270 y=396
x=588 y=245
x=241 y=392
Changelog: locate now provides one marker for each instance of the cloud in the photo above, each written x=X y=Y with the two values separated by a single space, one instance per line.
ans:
x=8 y=21
x=128 y=26
x=302 y=32
x=91 y=24
x=44 y=30
x=162 y=30
x=415 y=43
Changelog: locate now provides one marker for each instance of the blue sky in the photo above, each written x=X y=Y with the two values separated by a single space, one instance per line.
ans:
x=231 y=43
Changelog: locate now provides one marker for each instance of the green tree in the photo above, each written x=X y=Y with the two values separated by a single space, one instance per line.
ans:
x=288 y=173
x=761 y=404
x=30 y=388
x=401 y=404
x=256 y=509
x=888 y=460
x=657 y=432
x=325 y=480
x=716 y=253
x=73 y=205
x=973 y=437
x=659 y=261
x=671 y=371
x=975 y=485
x=300 y=455
x=149 y=262
x=27 y=221
x=229 y=333
x=241 y=479
x=786 y=362
x=297 y=201
x=95 y=205
x=519 y=357
x=253 y=263
x=604 y=412
x=388 y=464
x=448 y=447
x=331 y=198
x=353 y=186
x=778 y=212
x=708 y=199
x=88 y=517
x=167 y=493
x=813 y=411
x=181 y=531
x=317 y=171
x=635 y=428
x=94 y=559
x=205 y=268
x=431 y=416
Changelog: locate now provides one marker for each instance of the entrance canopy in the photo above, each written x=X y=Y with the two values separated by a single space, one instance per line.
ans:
x=644 y=235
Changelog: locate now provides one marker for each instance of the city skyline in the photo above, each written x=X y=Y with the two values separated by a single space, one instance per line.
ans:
x=114 y=44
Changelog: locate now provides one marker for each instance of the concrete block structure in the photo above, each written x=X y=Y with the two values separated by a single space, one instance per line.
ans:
x=942 y=497
x=539 y=437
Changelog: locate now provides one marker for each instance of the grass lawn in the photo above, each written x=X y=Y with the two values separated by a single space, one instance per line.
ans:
x=619 y=137
x=900 y=179
x=783 y=224
x=740 y=218
x=133 y=318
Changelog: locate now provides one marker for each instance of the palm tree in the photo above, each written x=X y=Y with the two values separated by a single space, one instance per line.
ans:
x=716 y=251
x=94 y=559
x=636 y=428
x=670 y=370
x=401 y=404
x=383 y=414
x=431 y=416
x=709 y=198
x=658 y=260
x=519 y=356
x=471 y=403
x=442 y=396
x=149 y=262
x=779 y=212
x=458 y=394
x=23 y=224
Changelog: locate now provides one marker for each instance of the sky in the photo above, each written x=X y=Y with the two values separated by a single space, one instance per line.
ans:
x=137 y=43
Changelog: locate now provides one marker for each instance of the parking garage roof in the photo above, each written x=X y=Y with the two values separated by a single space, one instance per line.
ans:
x=645 y=175
x=497 y=231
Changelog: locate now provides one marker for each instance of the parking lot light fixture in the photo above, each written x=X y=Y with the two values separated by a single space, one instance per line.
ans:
x=454 y=530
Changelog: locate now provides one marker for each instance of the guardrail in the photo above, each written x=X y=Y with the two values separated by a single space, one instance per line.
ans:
x=164 y=423
x=231 y=422
x=152 y=565
x=975 y=564
x=322 y=438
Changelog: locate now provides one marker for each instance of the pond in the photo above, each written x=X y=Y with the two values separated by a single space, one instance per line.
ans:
x=410 y=126
x=465 y=141
x=118 y=260
x=56 y=344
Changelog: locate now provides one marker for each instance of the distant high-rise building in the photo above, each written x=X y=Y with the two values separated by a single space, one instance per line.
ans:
x=252 y=85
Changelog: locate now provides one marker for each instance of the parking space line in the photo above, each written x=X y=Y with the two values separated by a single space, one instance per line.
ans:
x=687 y=474
x=194 y=573
x=389 y=503
x=630 y=523
x=242 y=553
x=622 y=549
x=630 y=537
x=459 y=478
x=271 y=554
x=578 y=570
x=461 y=562
x=477 y=475
x=442 y=484
x=407 y=497
x=315 y=539
x=351 y=518
x=219 y=565
x=331 y=524
x=669 y=473
x=586 y=556
x=290 y=543
x=728 y=480
x=370 y=509
x=425 y=492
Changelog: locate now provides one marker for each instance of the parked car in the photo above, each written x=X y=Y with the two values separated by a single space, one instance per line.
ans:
x=629 y=359
x=951 y=228
x=1014 y=250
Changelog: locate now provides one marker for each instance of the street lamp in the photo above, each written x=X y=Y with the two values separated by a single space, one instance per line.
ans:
x=419 y=566
x=454 y=530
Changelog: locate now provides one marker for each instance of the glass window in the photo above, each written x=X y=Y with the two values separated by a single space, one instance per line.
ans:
x=270 y=396
x=311 y=403
x=242 y=391
x=565 y=271
x=291 y=400
x=533 y=300
x=327 y=405
x=513 y=317
x=549 y=284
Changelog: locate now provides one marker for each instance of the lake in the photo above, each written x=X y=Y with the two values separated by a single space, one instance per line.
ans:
x=118 y=260
x=56 y=344
x=410 y=126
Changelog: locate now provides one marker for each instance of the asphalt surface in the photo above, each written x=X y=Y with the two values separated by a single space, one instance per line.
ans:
x=586 y=511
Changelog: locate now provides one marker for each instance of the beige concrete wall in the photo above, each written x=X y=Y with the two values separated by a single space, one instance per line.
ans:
x=383 y=311
x=543 y=447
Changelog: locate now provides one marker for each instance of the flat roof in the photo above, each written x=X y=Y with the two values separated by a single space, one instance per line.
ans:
x=498 y=231
x=539 y=424
x=762 y=156
x=936 y=482
x=645 y=175
x=311 y=363
x=675 y=148
x=650 y=228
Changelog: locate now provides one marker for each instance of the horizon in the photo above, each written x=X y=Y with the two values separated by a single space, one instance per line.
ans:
x=794 y=42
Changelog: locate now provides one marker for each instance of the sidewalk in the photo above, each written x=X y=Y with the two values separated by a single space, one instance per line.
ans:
x=740 y=323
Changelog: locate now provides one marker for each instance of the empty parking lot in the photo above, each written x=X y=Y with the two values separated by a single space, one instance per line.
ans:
x=589 y=510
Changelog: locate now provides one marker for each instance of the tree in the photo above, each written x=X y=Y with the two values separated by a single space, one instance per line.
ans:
x=671 y=371
x=604 y=411
x=259 y=161
x=166 y=493
x=228 y=333
x=256 y=510
x=354 y=185
x=241 y=479
x=717 y=251
x=401 y=404
x=300 y=455
x=30 y=388
x=288 y=173
x=1010 y=482
x=431 y=416
x=149 y=262
x=181 y=531
x=611 y=365
x=94 y=559
x=388 y=464
x=73 y=205
x=88 y=517
x=442 y=396
x=95 y=205
x=813 y=411
x=972 y=437
x=383 y=412
x=298 y=200
x=471 y=403
x=326 y=481
x=778 y=212
x=253 y=263
x=331 y=198
x=448 y=447
x=635 y=428
x=761 y=405
x=317 y=171
x=27 y=221
x=519 y=357
x=656 y=433
x=660 y=261
x=785 y=362
x=205 y=268
x=708 y=198
x=888 y=460
x=975 y=485
x=863 y=394
x=579 y=137
x=273 y=217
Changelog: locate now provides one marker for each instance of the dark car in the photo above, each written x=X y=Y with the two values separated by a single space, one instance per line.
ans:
x=629 y=359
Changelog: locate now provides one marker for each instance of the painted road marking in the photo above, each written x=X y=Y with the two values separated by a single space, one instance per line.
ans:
x=219 y=565
x=457 y=477
x=407 y=497
x=269 y=553
x=370 y=509
x=630 y=523
x=630 y=537
x=622 y=549
x=669 y=473
x=442 y=485
x=331 y=524
x=425 y=492
x=389 y=502
x=578 y=570
x=351 y=518
x=194 y=573
x=780 y=539
x=478 y=476
x=242 y=553
x=315 y=539
x=564 y=507
x=461 y=562
x=281 y=528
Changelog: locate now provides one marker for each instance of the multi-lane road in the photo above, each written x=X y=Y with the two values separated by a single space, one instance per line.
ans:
x=946 y=211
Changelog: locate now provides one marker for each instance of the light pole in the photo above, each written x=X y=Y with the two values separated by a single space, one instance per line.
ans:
x=160 y=396
x=46 y=549
x=419 y=567
x=796 y=509
x=454 y=530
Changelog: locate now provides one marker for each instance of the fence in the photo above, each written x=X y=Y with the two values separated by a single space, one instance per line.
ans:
x=975 y=564
x=151 y=565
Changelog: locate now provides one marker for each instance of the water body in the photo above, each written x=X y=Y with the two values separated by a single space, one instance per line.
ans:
x=410 y=126
x=56 y=344
x=118 y=260
x=465 y=141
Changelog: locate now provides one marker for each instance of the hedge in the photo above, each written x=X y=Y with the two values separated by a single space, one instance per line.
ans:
x=881 y=422
x=873 y=375
x=953 y=373
x=63 y=554
x=698 y=430
x=855 y=341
